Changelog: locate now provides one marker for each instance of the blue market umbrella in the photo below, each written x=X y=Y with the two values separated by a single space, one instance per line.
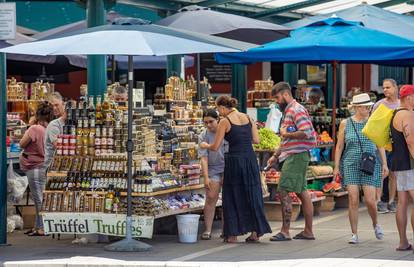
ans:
x=332 y=40
x=129 y=40
x=371 y=16
x=329 y=40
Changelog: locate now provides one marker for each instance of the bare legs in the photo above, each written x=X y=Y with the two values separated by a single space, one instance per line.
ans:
x=287 y=212
x=370 y=202
x=212 y=196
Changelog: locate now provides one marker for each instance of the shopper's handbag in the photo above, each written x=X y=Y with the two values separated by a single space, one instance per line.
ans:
x=367 y=159
x=377 y=128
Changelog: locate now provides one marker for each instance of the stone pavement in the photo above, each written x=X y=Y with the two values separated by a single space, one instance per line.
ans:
x=330 y=249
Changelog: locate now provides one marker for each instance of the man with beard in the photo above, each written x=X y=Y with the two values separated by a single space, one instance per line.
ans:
x=298 y=138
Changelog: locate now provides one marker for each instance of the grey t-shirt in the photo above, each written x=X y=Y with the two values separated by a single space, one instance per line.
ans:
x=384 y=101
x=54 y=128
x=215 y=158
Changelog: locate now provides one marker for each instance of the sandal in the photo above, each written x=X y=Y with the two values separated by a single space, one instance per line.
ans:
x=37 y=233
x=301 y=236
x=280 y=237
x=206 y=236
x=252 y=240
x=29 y=231
x=410 y=247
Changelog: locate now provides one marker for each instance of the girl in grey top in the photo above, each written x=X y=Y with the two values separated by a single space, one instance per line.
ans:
x=212 y=164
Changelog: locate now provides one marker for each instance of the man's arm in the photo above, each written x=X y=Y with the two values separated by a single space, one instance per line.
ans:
x=408 y=131
x=52 y=133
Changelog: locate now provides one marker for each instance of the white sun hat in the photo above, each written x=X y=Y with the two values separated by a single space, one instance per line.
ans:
x=362 y=100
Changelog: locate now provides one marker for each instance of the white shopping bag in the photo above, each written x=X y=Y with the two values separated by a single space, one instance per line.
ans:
x=273 y=118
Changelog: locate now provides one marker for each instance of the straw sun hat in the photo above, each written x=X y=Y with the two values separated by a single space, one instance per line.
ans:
x=361 y=100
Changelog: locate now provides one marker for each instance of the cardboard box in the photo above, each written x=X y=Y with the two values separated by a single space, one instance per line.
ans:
x=29 y=216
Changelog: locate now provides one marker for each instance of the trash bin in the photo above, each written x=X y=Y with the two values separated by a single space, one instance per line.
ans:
x=187 y=227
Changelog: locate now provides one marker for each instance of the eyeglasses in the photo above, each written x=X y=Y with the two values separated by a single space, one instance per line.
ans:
x=209 y=122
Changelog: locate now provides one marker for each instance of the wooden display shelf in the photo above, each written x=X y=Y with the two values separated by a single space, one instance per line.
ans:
x=273 y=209
x=168 y=191
x=307 y=178
x=57 y=174
x=181 y=211
x=86 y=192
x=335 y=200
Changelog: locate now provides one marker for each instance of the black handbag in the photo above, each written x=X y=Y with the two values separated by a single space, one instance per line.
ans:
x=368 y=160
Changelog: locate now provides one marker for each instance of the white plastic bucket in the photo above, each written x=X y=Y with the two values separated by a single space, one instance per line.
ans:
x=187 y=227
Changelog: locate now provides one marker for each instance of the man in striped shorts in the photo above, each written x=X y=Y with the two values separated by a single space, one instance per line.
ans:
x=298 y=138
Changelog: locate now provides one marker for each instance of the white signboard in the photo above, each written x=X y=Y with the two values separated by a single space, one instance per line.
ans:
x=7 y=21
x=96 y=223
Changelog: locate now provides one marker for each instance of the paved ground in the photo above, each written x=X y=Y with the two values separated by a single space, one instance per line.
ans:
x=330 y=249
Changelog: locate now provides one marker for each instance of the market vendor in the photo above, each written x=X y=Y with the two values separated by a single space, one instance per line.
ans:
x=212 y=164
x=314 y=101
x=120 y=94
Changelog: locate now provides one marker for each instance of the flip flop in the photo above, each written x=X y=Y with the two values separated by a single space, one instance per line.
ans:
x=206 y=236
x=252 y=240
x=410 y=247
x=36 y=233
x=29 y=231
x=301 y=236
x=280 y=237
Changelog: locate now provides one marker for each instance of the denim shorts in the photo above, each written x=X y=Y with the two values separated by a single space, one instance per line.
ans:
x=218 y=178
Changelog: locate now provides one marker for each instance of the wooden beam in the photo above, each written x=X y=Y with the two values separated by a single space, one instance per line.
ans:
x=283 y=9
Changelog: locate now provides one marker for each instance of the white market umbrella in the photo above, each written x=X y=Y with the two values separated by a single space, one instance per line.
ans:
x=129 y=40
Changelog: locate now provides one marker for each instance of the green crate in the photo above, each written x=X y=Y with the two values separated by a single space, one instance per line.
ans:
x=262 y=114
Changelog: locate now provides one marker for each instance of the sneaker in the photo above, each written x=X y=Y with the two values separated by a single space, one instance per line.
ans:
x=354 y=239
x=392 y=207
x=379 y=233
x=382 y=207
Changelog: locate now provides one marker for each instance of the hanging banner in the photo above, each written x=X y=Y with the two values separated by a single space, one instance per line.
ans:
x=96 y=223
x=7 y=21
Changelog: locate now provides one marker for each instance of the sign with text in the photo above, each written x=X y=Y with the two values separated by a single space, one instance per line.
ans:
x=215 y=72
x=96 y=223
x=7 y=21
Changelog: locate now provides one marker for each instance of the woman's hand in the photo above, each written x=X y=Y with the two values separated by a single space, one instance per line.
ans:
x=385 y=170
x=204 y=145
x=336 y=172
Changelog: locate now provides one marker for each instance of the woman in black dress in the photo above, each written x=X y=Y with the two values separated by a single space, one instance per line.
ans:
x=242 y=191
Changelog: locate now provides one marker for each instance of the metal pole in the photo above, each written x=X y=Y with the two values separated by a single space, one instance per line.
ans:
x=96 y=74
x=3 y=151
x=198 y=77
x=129 y=244
x=334 y=66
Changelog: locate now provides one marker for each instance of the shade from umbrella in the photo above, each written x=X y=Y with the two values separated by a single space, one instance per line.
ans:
x=129 y=40
x=205 y=20
x=372 y=17
x=329 y=40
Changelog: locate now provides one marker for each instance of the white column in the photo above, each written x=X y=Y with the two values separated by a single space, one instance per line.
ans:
x=266 y=70
x=374 y=79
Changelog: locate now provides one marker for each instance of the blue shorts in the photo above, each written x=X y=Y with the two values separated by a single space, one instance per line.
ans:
x=218 y=178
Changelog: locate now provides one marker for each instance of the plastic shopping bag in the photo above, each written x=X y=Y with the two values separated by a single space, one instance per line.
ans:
x=273 y=118
x=377 y=128
x=16 y=185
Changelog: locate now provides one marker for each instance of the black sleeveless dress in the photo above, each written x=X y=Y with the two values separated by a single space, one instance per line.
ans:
x=242 y=190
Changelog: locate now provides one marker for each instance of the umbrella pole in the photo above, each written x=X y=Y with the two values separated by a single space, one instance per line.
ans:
x=334 y=66
x=129 y=244
x=198 y=77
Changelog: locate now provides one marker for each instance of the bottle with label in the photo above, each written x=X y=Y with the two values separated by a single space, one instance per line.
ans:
x=98 y=115
x=115 y=205
x=109 y=199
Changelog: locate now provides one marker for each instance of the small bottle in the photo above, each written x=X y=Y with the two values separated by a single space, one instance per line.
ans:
x=109 y=199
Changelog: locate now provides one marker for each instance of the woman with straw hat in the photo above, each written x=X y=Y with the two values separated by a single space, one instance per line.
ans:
x=351 y=144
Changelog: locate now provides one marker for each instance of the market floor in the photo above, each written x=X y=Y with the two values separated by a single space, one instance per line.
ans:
x=330 y=249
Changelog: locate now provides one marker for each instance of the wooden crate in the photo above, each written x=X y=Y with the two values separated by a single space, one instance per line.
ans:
x=273 y=211
x=328 y=204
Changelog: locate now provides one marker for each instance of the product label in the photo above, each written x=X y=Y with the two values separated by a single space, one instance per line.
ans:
x=96 y=223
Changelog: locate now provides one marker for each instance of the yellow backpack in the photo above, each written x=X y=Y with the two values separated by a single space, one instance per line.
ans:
x=377 y=128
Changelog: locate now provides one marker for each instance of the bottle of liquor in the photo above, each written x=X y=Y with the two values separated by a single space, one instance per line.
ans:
x=91 y=114
x=109 y=199
x=115 y=205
